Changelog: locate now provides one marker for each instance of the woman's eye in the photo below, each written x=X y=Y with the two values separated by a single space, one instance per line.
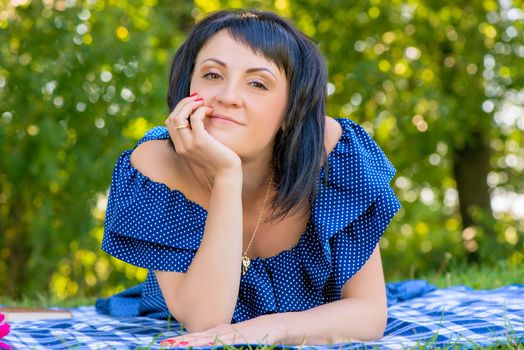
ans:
x=211 y=75
x=258 y=85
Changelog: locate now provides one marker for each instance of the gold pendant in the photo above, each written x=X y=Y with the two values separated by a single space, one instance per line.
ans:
x=245 y=264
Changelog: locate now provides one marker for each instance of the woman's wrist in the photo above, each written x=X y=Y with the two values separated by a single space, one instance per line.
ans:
x=229 y=177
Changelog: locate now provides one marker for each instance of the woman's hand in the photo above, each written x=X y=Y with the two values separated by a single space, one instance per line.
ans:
x=194 y=142
x=259 y=330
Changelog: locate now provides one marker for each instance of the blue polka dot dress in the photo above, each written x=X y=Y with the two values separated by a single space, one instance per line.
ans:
x=151 y=226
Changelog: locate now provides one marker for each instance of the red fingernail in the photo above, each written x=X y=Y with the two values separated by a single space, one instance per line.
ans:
x=193 y=94
x=183 y=343
x=199 y=99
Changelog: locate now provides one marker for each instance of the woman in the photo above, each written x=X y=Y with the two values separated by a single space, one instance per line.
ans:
x=248 y=235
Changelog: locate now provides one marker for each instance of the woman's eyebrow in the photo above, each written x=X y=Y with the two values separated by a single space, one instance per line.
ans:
x=250 y=70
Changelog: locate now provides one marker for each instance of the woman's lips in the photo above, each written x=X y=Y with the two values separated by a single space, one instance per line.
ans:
x=224 y=118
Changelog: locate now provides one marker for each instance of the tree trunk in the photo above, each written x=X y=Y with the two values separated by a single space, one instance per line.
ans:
x=471 y=166
x=16 y=244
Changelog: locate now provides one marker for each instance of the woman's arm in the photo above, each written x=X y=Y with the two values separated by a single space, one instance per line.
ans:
x=205 y=295
x=360 y=315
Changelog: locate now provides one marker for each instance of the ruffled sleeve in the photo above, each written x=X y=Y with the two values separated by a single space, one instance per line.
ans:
x=147 y=224
x=351 y=212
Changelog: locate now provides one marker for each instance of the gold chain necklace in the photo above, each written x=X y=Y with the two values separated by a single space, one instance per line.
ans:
x=245 y=260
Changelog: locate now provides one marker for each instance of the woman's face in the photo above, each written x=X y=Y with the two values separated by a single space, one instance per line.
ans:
x=242 y=86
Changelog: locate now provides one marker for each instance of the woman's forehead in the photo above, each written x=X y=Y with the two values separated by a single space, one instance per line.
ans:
x=224 y=47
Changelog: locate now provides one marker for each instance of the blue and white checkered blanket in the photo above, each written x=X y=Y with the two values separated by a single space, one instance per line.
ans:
x=457 y=316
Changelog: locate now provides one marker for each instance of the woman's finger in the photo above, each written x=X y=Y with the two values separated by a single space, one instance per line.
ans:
x=182 y=103
x=180 y=137
x=197 y=121
x=181 y=116
x=179 y=127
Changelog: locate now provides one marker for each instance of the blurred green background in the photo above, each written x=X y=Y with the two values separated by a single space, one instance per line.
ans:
x=439 y=85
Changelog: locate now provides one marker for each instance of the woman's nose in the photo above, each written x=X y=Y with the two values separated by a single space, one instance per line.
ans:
x=229 y=94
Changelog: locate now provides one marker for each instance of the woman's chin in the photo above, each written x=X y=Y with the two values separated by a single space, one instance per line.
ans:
x=224 y=138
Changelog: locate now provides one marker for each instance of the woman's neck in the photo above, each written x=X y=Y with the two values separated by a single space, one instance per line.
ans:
x=256 y=173
x=256 y=176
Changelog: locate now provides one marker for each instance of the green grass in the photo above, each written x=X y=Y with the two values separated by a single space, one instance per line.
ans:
x=40 y=300
x=474 y=276
x=480 y=277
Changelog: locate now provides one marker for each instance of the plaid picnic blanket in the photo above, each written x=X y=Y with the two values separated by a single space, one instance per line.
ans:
x=457 y=316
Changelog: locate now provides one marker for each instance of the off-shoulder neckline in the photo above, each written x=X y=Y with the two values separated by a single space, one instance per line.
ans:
x=330 y=154
x=205 y=212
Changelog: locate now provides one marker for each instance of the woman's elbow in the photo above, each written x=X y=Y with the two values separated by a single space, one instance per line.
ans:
x=377 y=325
x=380 y=327
x=194 y=325
x=193 y=322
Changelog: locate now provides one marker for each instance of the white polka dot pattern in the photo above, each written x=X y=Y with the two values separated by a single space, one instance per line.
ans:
x=151 y=226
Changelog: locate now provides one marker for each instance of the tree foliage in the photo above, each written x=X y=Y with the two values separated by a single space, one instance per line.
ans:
x=439 y=87
x=79 y=82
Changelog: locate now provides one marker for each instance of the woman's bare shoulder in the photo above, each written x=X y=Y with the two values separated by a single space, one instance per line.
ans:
x=332 y=134
x=158 y=160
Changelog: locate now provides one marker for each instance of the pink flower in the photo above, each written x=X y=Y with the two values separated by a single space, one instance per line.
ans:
x=4 y=330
